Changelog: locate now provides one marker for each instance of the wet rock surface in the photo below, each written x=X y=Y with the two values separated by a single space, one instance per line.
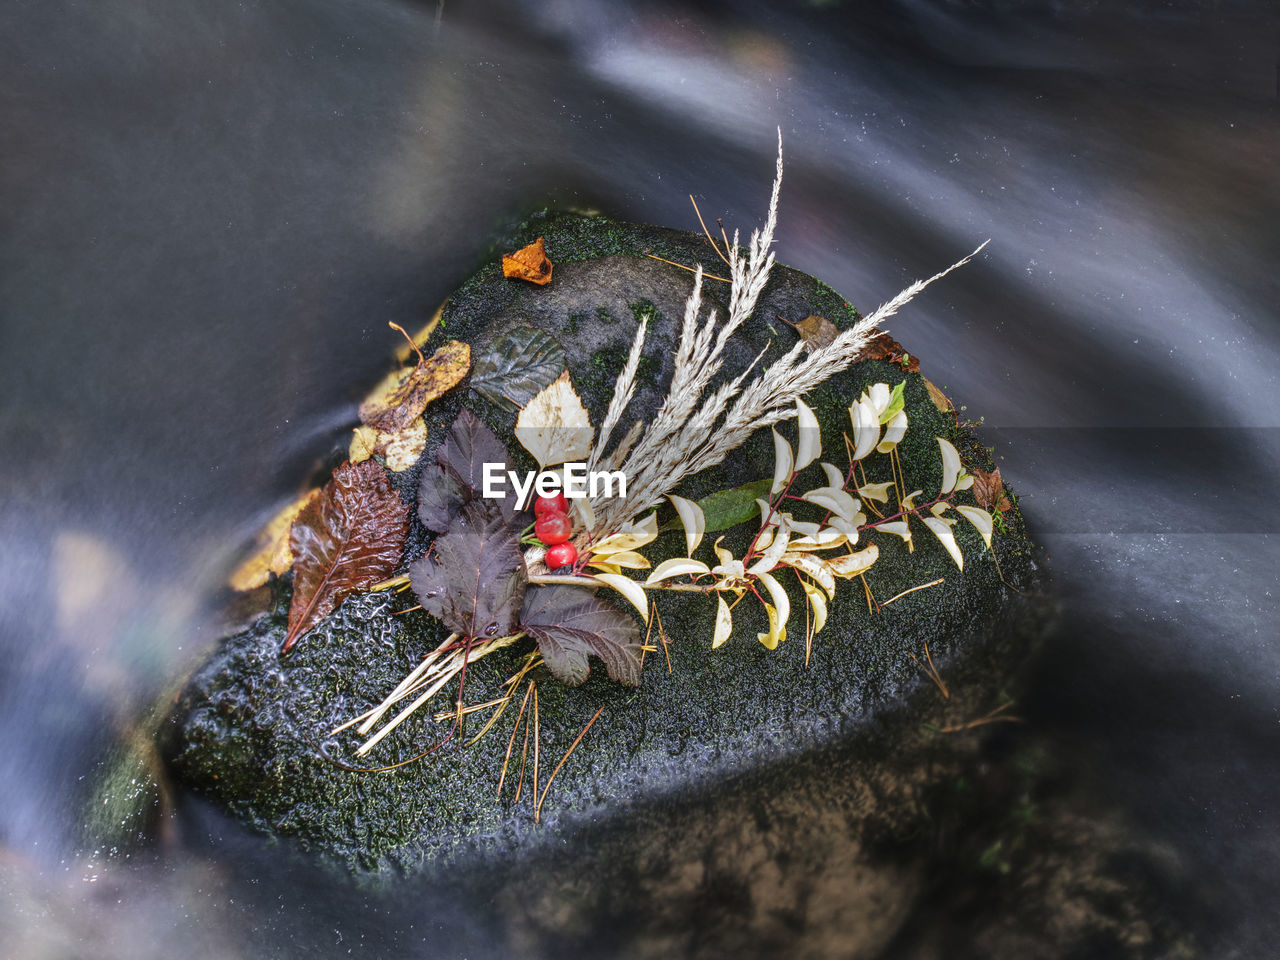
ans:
x=683 y=788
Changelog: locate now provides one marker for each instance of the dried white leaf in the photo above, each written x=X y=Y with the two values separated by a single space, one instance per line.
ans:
x=950 y=465
x=554 y=425
x=852 y=564
x=942 y=530
x=629 y=589
x=834 y=499
x=879 y=492
x=866 y=427
x=676 y=567
x=724 y=623
x=783 y=462
x=808 y=436
x=693 y=520
x=834 y=477
x=979 y=518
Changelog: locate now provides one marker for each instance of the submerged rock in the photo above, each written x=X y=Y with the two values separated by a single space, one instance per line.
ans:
x=683 y=784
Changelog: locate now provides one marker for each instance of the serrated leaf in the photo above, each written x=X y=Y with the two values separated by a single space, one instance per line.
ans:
x=348 y=538
x=808 y=436
x=403 y=394
x=724 y=623
x=474 y=578
x=569 y=624
x=692 y=519
x=458 y=476
x=554 y=425
x=942 y=530
x=517 y=366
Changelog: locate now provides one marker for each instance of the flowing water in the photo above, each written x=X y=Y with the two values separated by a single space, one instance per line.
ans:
x=211 y=211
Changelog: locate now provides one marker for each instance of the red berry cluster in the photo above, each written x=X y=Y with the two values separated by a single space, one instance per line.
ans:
x=553 y=527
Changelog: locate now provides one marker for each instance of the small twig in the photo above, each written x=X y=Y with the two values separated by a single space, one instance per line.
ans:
x=923 y=586
x=396 y=613
x=711 y=239
x=512 y=742
x=709 y=276
x=537 y=813
x=536 y=735
x=663 y=634
x=932 y=671
x=412 y=343
x=995 y=716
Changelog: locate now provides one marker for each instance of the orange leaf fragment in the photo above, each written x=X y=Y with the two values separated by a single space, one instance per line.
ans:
x=529 y=263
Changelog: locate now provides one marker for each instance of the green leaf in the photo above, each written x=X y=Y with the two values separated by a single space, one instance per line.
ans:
x=517 y=367
x=728 y=508
x=896 y=403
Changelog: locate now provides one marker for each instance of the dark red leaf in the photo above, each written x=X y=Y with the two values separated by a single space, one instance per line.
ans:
x=347 y=539
x=569 y=623
x=459 y=478
x=474 y=579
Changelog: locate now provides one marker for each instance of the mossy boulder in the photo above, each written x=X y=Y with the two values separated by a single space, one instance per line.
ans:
x=706 y=731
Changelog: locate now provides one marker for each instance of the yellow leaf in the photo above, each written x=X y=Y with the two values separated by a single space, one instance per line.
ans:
x=364 y=444
x=272 y=554
x=775 y=634
x=403 y=394
x=814 y=567
x=625 y=558
x=554 y=425
x=632 y=536
x=401 y=450
x=818 y=604
x=781 y=603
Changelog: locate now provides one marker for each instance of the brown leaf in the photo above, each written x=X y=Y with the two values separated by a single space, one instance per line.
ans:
x=347 y=539
x=815 y=331
x=528 y=263
x=272 y=553
x=403 y=394
x=940 y=399
x=988 y=490
x=884 y=347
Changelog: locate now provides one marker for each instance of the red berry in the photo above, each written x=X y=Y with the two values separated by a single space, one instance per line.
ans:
x=552 y=528
x=561 y=555
x=556 y=504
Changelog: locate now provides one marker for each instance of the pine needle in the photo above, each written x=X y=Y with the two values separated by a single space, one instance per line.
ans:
x=537 y=813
